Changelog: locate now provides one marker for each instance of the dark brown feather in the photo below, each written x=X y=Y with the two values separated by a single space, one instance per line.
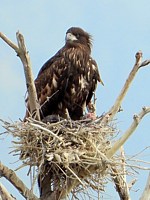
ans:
x=68 y=79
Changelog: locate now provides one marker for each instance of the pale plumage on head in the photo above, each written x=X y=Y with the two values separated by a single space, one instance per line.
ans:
x=77 y=35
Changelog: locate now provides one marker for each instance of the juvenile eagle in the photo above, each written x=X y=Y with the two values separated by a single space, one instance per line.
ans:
x=66 y=82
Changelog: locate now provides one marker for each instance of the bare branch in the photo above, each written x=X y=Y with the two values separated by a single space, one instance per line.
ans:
x=5 y=194
x=144 y=63
x=129 y=132
x=9 y=42
x=124 y=172
x=115 y=108
x=24 y=56
x=120 y=180
x=46 y=130
x=13 y=178
x=146 y=193
x=121 y=185
x=131 y=183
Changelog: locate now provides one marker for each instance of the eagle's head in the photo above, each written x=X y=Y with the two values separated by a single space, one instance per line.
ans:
x=76 y=36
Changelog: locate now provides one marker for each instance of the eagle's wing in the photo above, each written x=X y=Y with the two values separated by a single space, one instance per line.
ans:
x=96 y=73
x=51 y=83
x=53 y=59
x=94 y=78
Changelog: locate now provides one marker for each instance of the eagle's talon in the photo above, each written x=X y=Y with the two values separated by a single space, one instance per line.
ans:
x=90 y=115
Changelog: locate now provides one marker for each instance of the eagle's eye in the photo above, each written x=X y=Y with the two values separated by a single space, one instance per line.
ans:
x=77 y=35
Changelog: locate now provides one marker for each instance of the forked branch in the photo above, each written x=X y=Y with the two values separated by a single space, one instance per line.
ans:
x=129 y=132
x=115 y=108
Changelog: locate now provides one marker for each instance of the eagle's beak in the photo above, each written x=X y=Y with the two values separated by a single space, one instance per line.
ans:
x=70 y=37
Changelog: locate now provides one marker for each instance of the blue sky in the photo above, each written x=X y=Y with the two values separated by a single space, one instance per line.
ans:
x=119 y=30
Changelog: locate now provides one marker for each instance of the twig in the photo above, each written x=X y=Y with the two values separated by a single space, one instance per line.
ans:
x=133 y=166
x=46 y=130
x=14 y=179
x=132 y=182
x=9 y=42
x=115 y=108
x=137 y=154
x=138 y=161
x=144 y=63
x=138 y=167
x=76 y=176
x=129 y=132
x=5 y=194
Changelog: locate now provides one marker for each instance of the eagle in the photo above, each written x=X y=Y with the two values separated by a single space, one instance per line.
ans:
x=66 y=82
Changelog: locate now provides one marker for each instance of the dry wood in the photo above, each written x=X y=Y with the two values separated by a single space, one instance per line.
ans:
x=129 y=131
x=4 y=194
x=25 y=59
x=11 y=176
x=120 y=180
x=115 y=108
x=121 y=185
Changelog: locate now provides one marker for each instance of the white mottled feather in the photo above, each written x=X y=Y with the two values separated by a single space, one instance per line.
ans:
x=54 y=82
x=73 y=91
x=83 y=83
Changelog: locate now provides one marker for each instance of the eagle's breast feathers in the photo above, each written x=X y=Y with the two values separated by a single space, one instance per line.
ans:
x=69 y=78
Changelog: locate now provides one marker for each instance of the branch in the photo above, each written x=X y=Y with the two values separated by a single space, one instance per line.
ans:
x=9 y=42
x=121 y=185
x=46 y=130
x=5 y=194
x=129 y=132
x=131 y=183
x=115 y=108
x=146 y=193
x=144 y=63
x=25 y=59
x=120 y=180
x=11 y=176
x=24 y=56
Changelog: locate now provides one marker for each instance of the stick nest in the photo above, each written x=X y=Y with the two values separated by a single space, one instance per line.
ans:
x=73 y=150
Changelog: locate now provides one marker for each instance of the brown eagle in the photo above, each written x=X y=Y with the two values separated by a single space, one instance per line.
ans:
x=67 y=81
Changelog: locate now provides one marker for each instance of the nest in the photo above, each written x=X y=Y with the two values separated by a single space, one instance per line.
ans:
x=72 y=150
